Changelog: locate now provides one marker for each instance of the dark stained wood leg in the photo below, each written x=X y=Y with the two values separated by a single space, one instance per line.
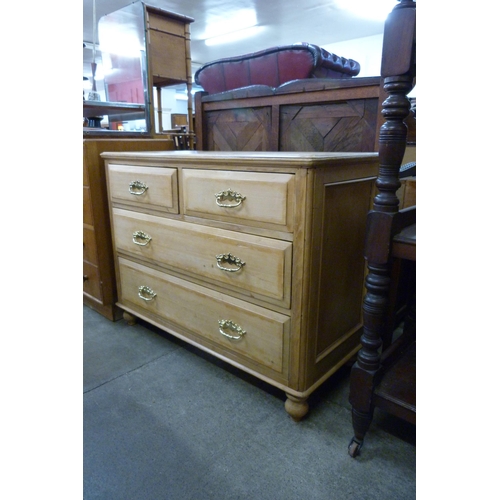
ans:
x=365 y=370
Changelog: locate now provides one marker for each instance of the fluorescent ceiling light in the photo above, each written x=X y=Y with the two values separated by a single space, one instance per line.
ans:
x=231 y=26
x=234 y=36
x=377 y=10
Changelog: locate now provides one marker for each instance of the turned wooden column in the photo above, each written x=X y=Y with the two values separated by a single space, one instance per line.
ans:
x=398 y=71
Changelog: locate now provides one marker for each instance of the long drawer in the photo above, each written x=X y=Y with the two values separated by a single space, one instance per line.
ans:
x=209 y=314
x=255 y=198
x=253 y=265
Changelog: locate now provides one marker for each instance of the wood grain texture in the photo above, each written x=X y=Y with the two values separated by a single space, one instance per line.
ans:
x=299 y=229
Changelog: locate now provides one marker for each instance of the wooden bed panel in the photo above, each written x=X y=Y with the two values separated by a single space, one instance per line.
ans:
x=332 y=116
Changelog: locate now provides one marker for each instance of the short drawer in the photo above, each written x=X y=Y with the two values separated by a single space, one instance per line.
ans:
x=91 y=281
x=253 y=265
x=208 y=314
x=256 y=198
x=147 y=187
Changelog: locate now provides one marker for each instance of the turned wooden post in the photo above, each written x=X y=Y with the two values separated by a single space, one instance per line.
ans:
x=398 y=72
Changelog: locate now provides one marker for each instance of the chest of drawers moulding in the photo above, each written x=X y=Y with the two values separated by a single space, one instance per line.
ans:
x=256 y=258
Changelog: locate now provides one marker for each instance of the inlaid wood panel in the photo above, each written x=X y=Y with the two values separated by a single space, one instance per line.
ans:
x=340 y=126
x=239 y=129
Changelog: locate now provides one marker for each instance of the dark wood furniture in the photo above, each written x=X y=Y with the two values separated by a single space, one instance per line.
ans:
x=322 y=115
x=384 y=375
x=99 y=280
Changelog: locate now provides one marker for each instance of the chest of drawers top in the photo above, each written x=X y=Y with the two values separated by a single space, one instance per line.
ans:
x=254 y=159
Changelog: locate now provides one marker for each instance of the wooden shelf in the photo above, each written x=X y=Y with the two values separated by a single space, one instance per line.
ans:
x=396 y=392
x=99 y=108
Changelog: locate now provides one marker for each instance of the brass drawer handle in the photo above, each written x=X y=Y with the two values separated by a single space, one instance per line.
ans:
x=231 y=196
x=137 y=188
x=230 y=325
x=140 y=238
x=231 y=259
x=145 y=293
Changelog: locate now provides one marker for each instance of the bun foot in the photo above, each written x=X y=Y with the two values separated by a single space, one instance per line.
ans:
x=296 y=407
x=129 y=318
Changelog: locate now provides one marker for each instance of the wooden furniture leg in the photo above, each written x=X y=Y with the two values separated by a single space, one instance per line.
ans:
x=129 y=318
x=296 y=407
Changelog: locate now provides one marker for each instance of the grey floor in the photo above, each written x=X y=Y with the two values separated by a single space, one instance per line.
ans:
x=163 y=420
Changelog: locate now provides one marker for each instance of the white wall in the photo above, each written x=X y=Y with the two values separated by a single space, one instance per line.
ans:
x=170 y=105
x=367 y=51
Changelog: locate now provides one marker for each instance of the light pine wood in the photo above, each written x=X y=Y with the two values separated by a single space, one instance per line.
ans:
x=160 y=192
x=300 y=307
x=193 y=249
x=199 y=309
x=267 y=196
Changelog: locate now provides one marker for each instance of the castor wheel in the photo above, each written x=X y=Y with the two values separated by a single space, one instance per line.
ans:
x=354 y=447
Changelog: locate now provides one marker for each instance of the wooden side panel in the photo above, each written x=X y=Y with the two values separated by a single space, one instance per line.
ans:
x=166 y=24
x=168 y=58
x=342 y=272
x=337 y=289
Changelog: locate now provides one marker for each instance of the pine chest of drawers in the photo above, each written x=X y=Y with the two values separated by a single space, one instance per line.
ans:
x=256 y=258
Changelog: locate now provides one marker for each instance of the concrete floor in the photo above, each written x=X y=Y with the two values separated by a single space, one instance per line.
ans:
x=163 y=420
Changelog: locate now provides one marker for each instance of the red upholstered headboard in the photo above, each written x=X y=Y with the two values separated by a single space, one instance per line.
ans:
x=273 y=67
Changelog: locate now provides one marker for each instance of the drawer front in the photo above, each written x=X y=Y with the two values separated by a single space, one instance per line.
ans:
x=89 y=246
x=87 y=207
x=144 y=187
x=199 y=310
x=91 y=281
x=86 y=179
x=256 y=198
x=253 y=265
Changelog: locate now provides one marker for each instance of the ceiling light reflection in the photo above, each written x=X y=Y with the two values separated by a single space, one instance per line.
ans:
x=377 y=10
x=234 y=36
